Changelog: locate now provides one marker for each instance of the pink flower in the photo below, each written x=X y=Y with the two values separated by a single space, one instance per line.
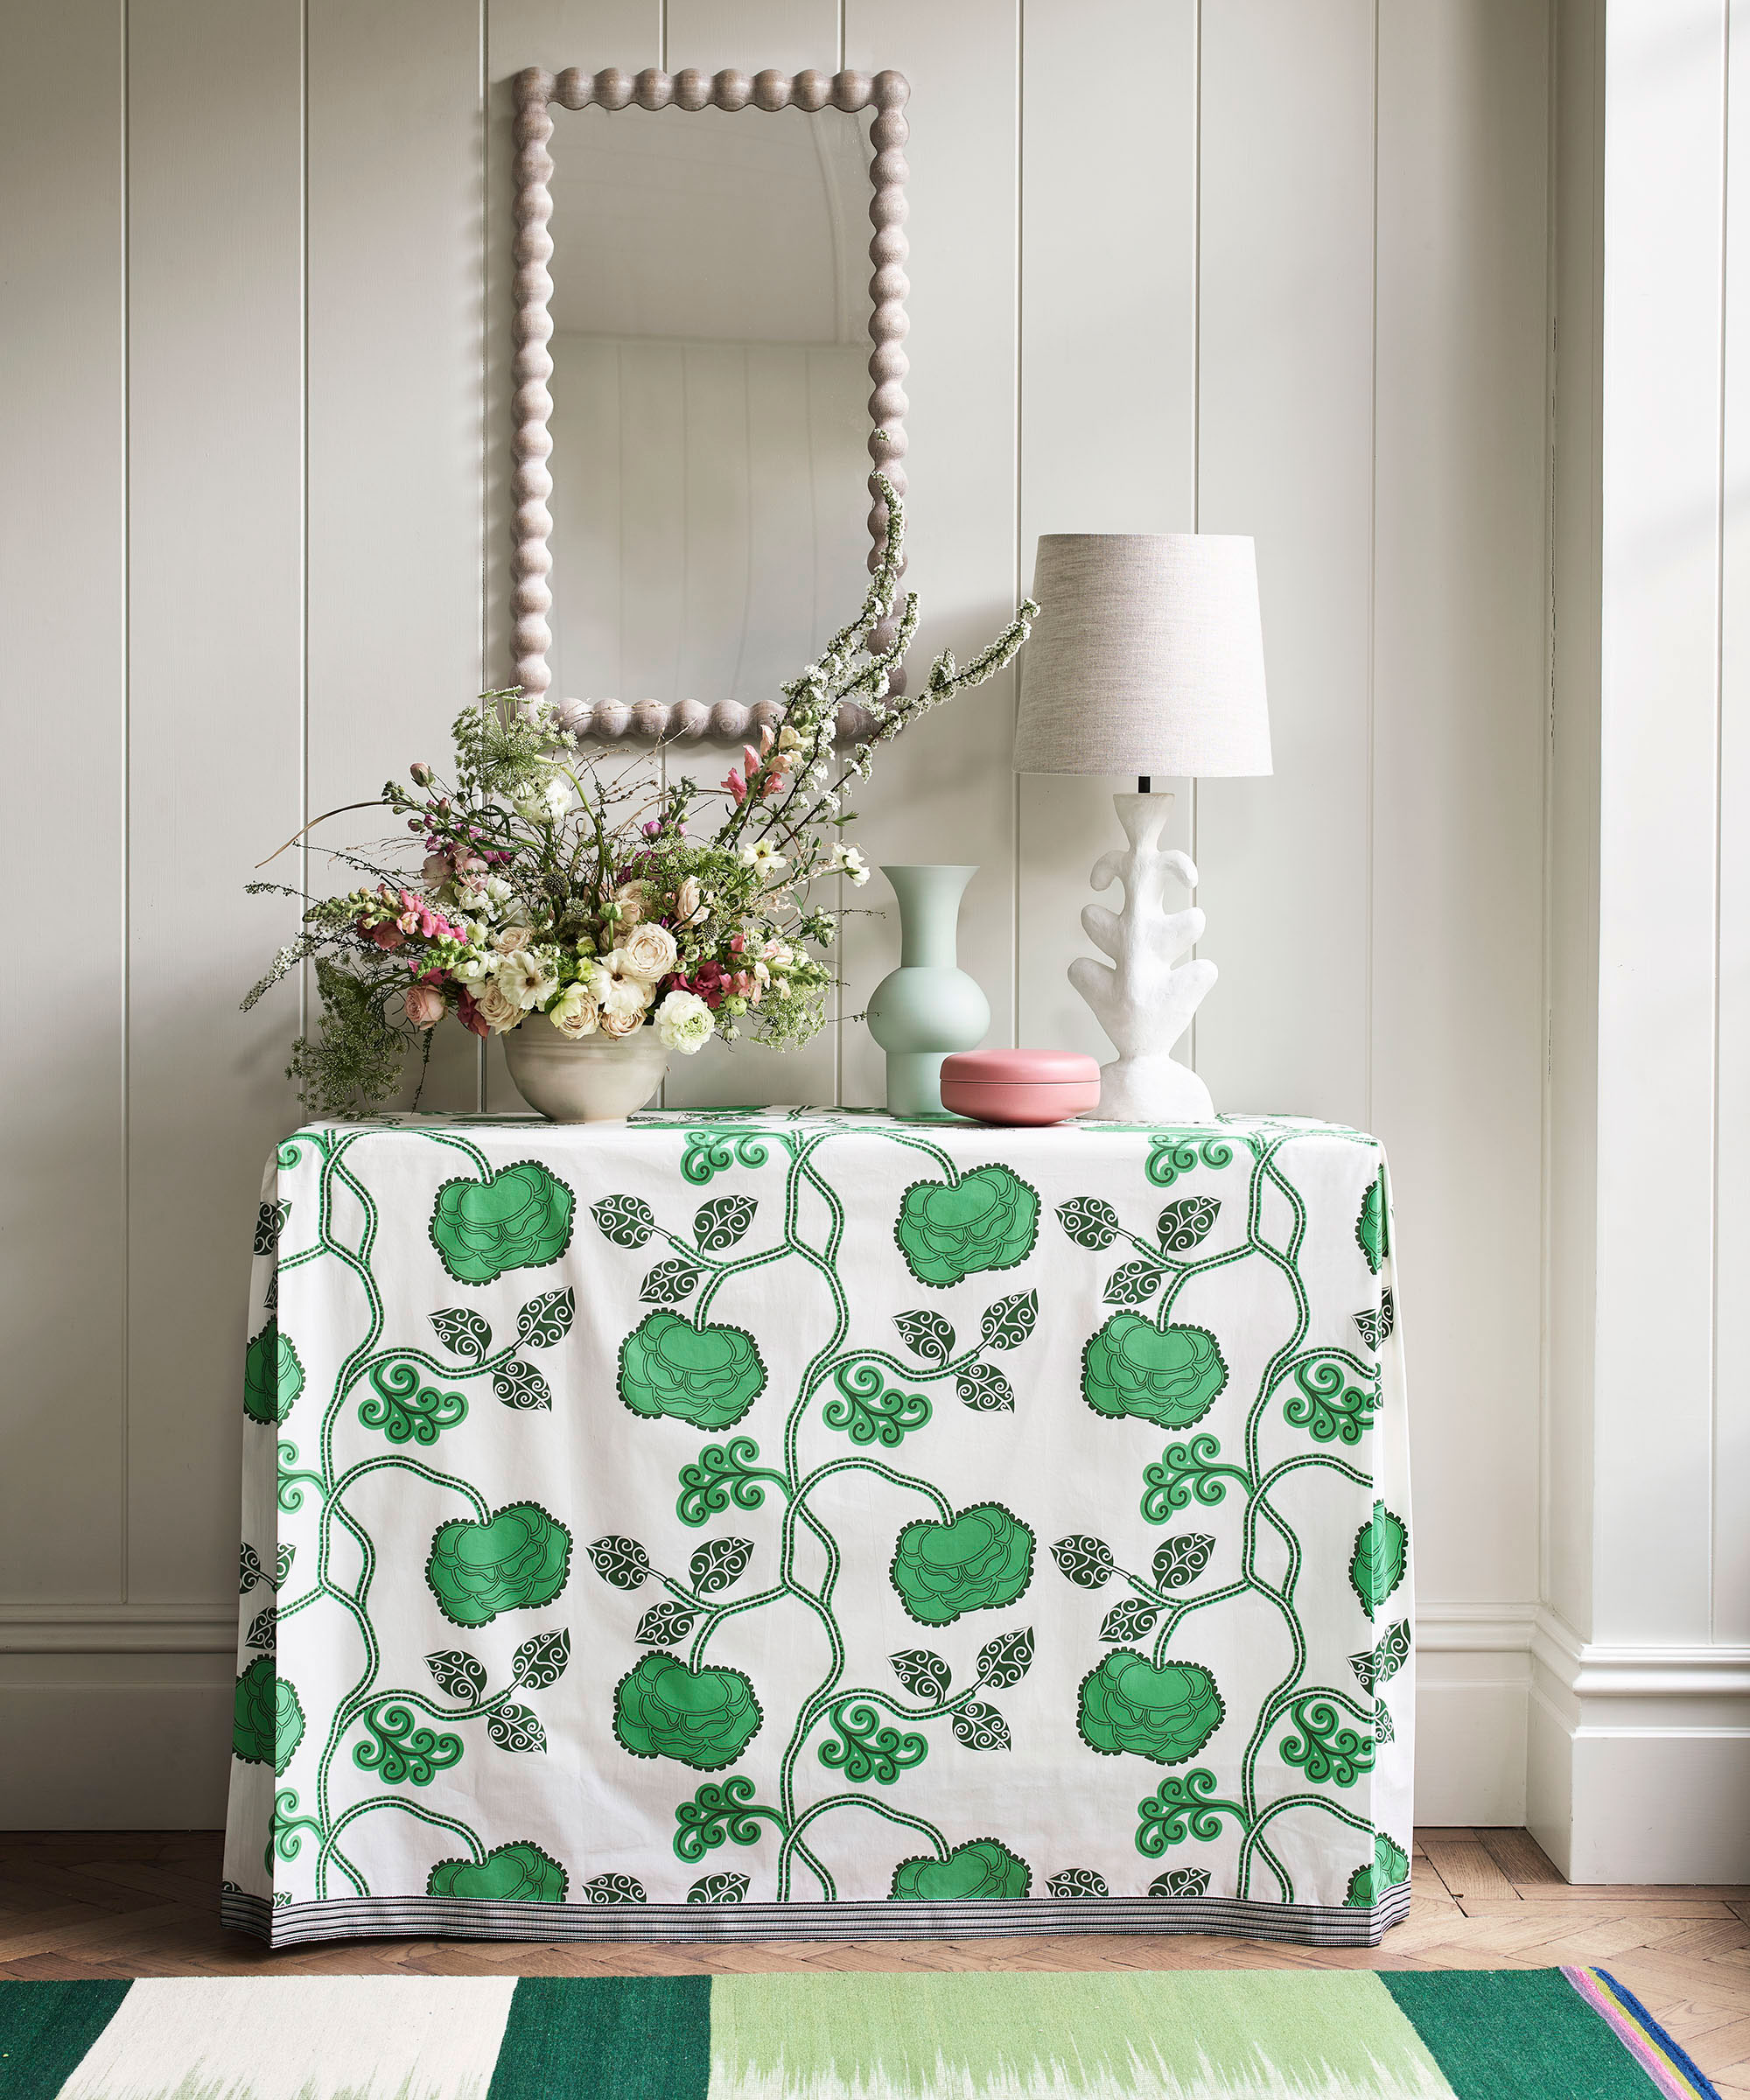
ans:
x=437 y=869
x=425 y=1004
x=736 y=786
x=468 y=1013
x=736 y=944
x=389 y=934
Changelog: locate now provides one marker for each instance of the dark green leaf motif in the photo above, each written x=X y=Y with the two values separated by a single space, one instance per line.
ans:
x=1377 y=1666
x=1131 y=1620
x=1087 y=1561
x=719 y=1888
x=1132 y=1282
x=1375 y=1327
x=1007 y=1659
x=1376 y=1566
x=668 y=1283
x=1007 y=1324
x=267 y=1721
x=1166 y=1713
x=703 y=1718
x=615 y=1888
x=406 y=1408
x=1372 y=1229
x=981 y=1560
x=1182 y=1881
x=977 y=1725
x=459 y=1676
x=625 y=1220
x=928 y=1335
x=720 y=1223
x=716 y=1563
x=401 y=1750
x=541 y=1662
x=709 y=1377
x=982 y=1386
x=872 y=1411
x=510 y=1873
x=262 y=1629
x=464 y=1333
x=1182 y=1558
x=1181 y=1225
x=621 y=1561
x=1088 y=1222
x=513 y=1727
x=1326 y=1748
x=1369 y=1885
x=985 y=1871
x=546 y=1319
x=273 y=1377
x=270 y=1224
x=519 y=1384
x=989 y=1219
x=864 y=1747
x=666 y=1623
x=1077 y=1884
x=515 y=1562
x=1172 y=1375
x=518 y=1218
x=924 y=1675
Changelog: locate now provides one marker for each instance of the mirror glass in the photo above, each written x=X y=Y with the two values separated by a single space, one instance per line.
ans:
x=710 y=422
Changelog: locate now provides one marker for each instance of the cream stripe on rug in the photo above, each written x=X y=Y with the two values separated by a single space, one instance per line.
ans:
x=276 y=2038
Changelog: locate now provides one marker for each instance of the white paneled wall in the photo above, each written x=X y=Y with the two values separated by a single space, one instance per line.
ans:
x=1276 y=266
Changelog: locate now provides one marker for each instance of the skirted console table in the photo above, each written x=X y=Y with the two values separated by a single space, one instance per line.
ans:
x=803 y=1522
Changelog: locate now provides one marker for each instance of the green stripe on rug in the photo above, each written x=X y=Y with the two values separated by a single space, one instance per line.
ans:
x=45 y=2030
x=1498 y=2033
x=1234 y=2034
x=606 y=2038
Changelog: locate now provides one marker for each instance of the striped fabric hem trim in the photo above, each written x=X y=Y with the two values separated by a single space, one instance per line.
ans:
x=1674 y=2073
x=432 y=1917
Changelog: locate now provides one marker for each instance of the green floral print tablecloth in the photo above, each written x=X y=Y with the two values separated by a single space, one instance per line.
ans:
x=809 y=1522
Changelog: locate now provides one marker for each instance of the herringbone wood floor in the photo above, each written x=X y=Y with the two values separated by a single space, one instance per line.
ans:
x=145 y=1904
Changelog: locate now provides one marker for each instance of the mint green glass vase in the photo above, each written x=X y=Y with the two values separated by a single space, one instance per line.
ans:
x=929 y=1006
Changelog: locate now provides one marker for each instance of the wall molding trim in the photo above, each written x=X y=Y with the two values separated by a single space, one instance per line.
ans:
x=117 y=1629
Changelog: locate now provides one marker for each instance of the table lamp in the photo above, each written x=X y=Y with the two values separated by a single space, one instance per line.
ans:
x=1146 y=658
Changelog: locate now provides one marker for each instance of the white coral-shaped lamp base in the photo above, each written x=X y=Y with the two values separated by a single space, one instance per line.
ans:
x=1142 y=1000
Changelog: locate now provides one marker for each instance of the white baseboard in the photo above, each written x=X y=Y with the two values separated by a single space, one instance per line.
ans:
x=1473 y=1678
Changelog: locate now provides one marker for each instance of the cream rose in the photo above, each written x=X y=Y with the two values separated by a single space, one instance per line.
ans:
x=509 y=938
x=577 y=1013
x=650 y=953
x=617 y=1021
x=632 y=898
x=497 y=1009
x=686 y=901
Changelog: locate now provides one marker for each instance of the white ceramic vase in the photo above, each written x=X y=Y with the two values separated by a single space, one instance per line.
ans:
x=596 y=1079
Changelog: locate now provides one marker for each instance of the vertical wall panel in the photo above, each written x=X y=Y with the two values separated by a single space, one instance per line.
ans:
x=63 y=1208
x=1286 y=402
x=1662 y=200
x=752 y=34
x=944 y=792
x=1731 y=1301
x=396 y=135
x=1108 y=393
x=1459 y=709
x=216 y=591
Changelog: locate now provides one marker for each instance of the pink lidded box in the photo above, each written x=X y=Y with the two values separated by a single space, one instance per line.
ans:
x=1021 y=1086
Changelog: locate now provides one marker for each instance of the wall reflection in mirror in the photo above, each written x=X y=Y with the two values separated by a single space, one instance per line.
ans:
x=709 y=389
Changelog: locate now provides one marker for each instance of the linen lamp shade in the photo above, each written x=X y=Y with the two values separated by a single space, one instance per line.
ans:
x=1146 y=658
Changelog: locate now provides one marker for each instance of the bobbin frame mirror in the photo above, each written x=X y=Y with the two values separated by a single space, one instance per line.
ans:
x=878 y=102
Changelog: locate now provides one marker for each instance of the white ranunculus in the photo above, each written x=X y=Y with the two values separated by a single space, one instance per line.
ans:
x=471 y=970
x=576 y=1012
x=650 y=952
x=625 y=982
x=626 y=998
x=684 y=1022
x=497 y=1009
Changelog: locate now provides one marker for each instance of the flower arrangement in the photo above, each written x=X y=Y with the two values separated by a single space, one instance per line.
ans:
x=551 y=894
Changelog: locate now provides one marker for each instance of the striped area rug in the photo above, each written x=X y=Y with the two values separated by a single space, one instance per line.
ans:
x=1240 y=2034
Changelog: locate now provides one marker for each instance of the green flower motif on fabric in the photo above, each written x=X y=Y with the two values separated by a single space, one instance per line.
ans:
x=1369 y=1885
x=701 y=1717
x=518 y=1218
x=1373 y=1230
x=1175 y=1152
x=517 y=1560
x=273 y=1377
x=520 y=1872
x=985 y=1871
x=267 y=1722
x=1173 y=1376
x=982 y=1560
x=1376 y=1567
x=709 y=1377
x=1167 y=1714
x=989 y=1219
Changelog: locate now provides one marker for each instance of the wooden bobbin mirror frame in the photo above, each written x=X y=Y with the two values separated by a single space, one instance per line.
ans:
x=535 y=93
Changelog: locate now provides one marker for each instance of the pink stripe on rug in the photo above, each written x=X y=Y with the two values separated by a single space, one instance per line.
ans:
x=1643 y=2047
